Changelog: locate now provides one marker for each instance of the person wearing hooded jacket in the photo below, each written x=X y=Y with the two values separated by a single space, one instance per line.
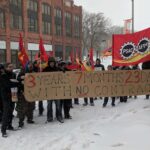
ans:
x=6 y=83
x=52 y=68
x=24 y=108
x=1 y=104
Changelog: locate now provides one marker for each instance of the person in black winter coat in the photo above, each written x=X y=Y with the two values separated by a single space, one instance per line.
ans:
x=52 y=68
x=146 y=66
x=1 y=104
x=67 y=103
x=24 y=108
x=6 y=84
x=106 y=98
x=98 y=66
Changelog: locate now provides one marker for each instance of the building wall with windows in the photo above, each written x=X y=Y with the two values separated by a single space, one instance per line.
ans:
x=58 y=22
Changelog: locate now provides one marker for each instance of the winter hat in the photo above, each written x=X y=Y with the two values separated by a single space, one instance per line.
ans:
x=98 y=59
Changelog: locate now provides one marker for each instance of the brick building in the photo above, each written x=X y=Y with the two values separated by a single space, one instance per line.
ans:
x=59 y=22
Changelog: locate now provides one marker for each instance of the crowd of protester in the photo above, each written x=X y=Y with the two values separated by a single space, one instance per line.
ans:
x=25 y=109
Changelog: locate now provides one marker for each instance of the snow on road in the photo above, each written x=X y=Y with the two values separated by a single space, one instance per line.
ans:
x=124 y=127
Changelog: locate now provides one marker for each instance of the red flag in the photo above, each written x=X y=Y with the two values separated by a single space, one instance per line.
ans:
x=73 y=67
x=91 y=58
x=131 y=49
x=22 y=55
x=43 y=54
x=37 y=56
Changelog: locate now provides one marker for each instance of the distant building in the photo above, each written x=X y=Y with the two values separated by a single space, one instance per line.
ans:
x=59 y=22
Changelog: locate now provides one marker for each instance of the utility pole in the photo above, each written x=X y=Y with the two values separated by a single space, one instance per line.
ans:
x=132 y=16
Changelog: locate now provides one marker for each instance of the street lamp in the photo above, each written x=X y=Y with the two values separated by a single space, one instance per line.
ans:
x=132 y=16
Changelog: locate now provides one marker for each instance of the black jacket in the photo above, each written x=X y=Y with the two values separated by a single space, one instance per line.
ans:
x=50 y=69
x=6 y=85
x=100 y=66
x=146 y=65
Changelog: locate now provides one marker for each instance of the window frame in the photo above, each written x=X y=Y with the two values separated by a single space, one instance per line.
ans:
x=16 y=19
x=33 y=16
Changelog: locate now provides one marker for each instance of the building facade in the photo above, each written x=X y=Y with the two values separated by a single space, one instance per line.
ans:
x=58 y=22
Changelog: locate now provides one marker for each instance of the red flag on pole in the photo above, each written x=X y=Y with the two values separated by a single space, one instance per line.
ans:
x=22 y=55
x=43 y=54
x=131 y=49
x=107 y=52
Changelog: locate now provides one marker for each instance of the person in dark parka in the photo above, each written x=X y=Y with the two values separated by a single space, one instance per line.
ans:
x=1 y=104
x=52 y=68
x=24 y=108
x=6 y=84
x=67 y=103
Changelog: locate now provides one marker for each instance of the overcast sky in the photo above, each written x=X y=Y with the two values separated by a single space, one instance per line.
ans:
x=119 y=10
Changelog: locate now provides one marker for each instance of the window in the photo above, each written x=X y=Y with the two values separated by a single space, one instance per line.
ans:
x=68 y=24
x=68 y=52
x=46 y=19
x=76 y=26
x=2 y=56
x=33 y=15
x=33 y=53
x=2 y=18
x=59 y=51
x=58 y=22
x=16 y=21
x=14 y=58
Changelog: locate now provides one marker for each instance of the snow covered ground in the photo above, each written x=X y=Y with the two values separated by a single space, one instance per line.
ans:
x=124 y=127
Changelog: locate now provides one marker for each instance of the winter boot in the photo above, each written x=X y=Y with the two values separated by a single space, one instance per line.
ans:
x=4 y=135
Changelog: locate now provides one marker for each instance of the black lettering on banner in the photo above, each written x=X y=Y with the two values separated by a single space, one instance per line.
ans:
x=56 y=90
x=104 y=90
x=60 y=79
x=67 y=90
x=35 y=94
x=95 y=78
x=114 y=89
x=97 y=90
x=66 y=78
x=82 y=90
x=119 y=78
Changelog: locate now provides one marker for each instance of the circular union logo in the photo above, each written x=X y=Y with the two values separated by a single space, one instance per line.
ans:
x=143 y=46
x=127 y=50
